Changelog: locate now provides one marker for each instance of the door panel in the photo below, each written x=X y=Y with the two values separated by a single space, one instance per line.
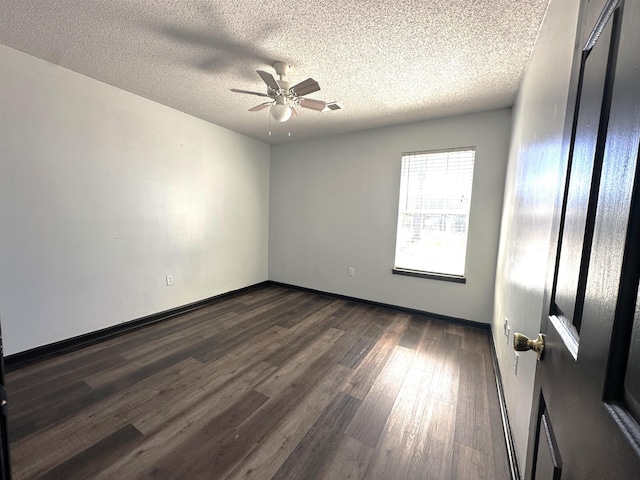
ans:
x=548 y=465
x=583 y=182
x=589 y=392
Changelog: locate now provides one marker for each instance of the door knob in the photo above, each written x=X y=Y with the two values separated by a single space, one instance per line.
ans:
x=521 y=344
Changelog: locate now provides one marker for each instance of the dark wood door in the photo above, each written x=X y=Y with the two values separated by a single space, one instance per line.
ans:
x=585 y=412
x=5 y=462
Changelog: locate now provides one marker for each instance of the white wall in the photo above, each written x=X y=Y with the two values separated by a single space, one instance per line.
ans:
x=534 y=176
x=104 y=193
x=334 y=205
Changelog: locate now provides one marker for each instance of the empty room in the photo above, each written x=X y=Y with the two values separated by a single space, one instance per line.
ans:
x=306 y=240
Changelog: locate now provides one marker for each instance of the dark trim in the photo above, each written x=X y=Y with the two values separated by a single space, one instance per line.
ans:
x=20 y=359
x=17 y=360
x=411 y=311
x=432 y=276
x=441 y=150
x=506 y=427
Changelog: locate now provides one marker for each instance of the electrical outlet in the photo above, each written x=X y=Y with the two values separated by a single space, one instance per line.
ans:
x=352 y=272
x=515 y=363
x=169 y=280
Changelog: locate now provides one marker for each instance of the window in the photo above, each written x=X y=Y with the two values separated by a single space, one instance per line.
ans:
x=433 y=213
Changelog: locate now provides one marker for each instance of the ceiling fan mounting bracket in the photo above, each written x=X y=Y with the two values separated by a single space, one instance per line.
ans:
x=281 y=68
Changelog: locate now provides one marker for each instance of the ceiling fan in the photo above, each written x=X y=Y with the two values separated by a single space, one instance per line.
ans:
x=285 y=97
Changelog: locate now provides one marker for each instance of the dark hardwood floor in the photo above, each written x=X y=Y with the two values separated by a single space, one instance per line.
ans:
x=273 y=383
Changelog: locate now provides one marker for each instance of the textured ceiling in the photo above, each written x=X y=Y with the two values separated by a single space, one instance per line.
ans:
x=386 y=62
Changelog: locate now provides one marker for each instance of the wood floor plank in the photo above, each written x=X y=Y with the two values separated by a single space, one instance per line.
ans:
x=474 y=340
x=276 y=411
x=89 y=462
x=67 y=406
x=101 y=377
x=320 y=445
x=413 y=333
x=39 y=386
x=250 y=326
x=301 y=341
x=25 y=412
x=367 y=371
x=353 y=357
x=317 y=317
x=427 y=349
x=40 y=451
x=371 y=321
x=35 y=372
x=370 y=327
x=433 y=456
x=402 y=433
x=299 y=363
x=265 y=461
x=471 y=464
x=155 y=458
x=192 y=408
x=264 y=294
x=472 y=418
x=171 y=341
x=237 y=445
x=368 y=423
x=455 y=329
x=291 y=317
x=269 y=383
x=304 y=333
x=444 y=385
x=350 y=462
x=238 y=371
x=194 y=418
x=53 y=387
x=348 y=308
x=482 y=434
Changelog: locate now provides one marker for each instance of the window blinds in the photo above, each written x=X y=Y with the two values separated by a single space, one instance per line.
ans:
x=433 y=216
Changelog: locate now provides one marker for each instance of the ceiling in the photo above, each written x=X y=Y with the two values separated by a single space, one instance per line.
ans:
x=386 y=62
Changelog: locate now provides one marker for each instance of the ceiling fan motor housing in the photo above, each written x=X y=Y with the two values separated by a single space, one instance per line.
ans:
x=284 y=85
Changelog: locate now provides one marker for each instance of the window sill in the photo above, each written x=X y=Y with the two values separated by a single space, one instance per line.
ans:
x=432 y=276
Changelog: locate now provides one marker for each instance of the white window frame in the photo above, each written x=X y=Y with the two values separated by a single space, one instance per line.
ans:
x=434 y=208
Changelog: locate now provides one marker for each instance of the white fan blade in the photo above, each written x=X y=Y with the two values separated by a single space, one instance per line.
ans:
x=269 y=80
x=262 y=106
x=317 y=105
x=305 y=87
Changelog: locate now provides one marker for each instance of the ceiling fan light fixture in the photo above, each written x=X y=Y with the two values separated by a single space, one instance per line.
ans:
x=280 y=111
